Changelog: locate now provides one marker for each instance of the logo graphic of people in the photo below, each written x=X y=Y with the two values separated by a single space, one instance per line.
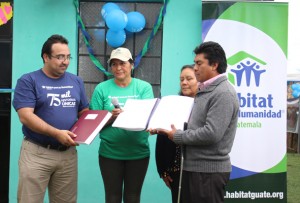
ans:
x=246 y=68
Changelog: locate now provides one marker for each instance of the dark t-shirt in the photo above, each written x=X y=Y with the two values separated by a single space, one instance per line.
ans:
x=56 y=101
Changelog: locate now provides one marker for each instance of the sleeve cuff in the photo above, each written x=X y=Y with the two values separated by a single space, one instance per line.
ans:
x=177 y=138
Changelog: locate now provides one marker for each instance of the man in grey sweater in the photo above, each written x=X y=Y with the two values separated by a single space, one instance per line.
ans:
x=211 y=129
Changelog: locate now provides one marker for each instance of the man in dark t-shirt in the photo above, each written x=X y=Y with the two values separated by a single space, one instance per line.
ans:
x=48 y=102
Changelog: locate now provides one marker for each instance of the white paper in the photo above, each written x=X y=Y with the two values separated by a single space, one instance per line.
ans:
x=135 y=114
x=172 y=109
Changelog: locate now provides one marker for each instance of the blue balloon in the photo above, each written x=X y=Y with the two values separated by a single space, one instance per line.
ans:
x=115 y=38
x=295 y=86
x=107 y=8
x=116 y=20
x=296 y=94
x=136 y=21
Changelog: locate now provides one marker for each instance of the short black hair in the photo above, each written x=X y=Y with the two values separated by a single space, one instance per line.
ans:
x=47 y=47
x=214 y=53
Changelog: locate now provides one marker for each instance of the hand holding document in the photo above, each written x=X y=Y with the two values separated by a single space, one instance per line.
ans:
x=155 y=113
x=89 y=125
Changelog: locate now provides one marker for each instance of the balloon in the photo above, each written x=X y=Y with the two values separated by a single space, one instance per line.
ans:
x=107 y=8
x=115 y=38
x=295 y=86
x=116 y=20
x=136 y=21
x=296 y=94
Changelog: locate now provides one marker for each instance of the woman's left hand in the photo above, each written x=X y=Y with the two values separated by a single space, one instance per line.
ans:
x=168 y=181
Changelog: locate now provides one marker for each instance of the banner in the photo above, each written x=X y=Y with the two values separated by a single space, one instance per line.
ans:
x=254 y=37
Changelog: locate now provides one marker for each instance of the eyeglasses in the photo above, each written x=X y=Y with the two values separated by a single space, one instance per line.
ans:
x=62 y=57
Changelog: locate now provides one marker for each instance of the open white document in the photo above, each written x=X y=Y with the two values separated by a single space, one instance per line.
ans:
x=155 y=113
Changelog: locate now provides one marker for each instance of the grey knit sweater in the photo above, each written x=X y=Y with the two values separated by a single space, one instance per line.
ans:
x=211 y=129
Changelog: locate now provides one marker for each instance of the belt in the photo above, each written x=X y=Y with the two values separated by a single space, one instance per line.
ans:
x=48 y=146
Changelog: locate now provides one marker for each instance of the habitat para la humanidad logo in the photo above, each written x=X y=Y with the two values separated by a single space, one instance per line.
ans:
x=257 y=70
x=246 y=72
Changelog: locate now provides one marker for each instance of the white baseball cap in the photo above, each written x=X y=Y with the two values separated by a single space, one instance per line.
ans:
x=120 y=53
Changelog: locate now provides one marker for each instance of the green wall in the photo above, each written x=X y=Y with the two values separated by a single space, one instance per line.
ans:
x=34 y=21
x=182 y=33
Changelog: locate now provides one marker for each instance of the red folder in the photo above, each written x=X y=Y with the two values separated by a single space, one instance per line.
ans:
x=89 y=125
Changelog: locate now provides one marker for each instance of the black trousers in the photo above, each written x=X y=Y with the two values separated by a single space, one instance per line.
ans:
x=119 y=174
x=174 y=186
x=203 y=187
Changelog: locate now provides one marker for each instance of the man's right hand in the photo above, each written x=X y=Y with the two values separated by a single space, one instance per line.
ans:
x=65 y=137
